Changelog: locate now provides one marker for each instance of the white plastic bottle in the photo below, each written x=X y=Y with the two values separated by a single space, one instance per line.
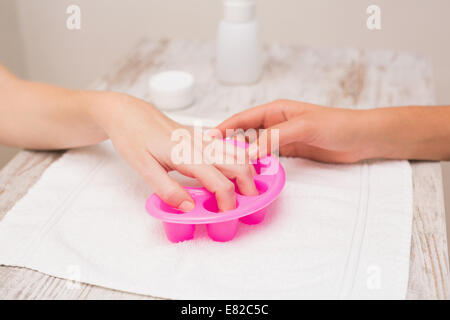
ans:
x=239 y=44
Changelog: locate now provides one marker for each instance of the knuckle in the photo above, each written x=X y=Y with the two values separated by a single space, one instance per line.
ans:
x=227 y=187
x=169 y=194
x=281 y=101
x=244 y=171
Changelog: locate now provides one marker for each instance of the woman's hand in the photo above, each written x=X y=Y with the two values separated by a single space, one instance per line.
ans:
x=142 y=135
x=306 y=130
x=41 y=116
x=347 y=135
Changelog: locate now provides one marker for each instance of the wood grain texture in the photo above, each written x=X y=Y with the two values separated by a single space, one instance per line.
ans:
x=20 y=174
x=429 y=270
x=345 y=78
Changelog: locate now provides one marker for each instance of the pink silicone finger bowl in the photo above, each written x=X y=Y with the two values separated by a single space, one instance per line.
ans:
x=221 y=226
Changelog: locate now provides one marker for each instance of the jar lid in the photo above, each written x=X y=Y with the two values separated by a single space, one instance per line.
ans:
x=239 y=11
x=172 y=90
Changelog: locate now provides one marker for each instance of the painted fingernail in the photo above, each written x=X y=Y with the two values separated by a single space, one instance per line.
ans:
x=186 y=206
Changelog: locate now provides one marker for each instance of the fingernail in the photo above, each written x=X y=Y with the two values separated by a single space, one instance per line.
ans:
x=186 y=206
x=213 y=133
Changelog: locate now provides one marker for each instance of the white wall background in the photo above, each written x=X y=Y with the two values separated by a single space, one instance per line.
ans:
x=35 y=43
x=37 y=35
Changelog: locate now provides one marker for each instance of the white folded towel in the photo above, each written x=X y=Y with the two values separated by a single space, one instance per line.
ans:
x=336 y=231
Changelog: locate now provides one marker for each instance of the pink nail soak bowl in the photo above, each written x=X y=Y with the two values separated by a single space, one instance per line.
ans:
x=221 y=226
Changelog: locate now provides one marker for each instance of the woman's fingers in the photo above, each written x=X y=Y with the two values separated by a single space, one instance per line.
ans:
x=214 y=181
x=251 y=118
x=264 y=115
x=243 y=175
x=161 y=183
x=221 y=162
x=271 y=139
x=241 y=170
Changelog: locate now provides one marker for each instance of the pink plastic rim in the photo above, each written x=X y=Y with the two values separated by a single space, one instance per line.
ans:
x=270 y=181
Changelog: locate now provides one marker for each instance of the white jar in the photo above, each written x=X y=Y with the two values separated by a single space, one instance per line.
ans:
x=172 y=90
x=239 y=44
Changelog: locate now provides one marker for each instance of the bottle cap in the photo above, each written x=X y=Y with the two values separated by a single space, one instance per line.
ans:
x=239 y=11
x=172 y=90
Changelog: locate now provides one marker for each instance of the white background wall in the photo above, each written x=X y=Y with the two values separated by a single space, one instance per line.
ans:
x=38 y=37
x=35 y=43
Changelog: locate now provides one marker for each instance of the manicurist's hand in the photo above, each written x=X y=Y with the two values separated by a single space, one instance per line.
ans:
x=304 y=130
x=346 y=135
x=40 y=116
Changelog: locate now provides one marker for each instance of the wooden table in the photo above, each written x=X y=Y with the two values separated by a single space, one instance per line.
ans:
x=344 y=78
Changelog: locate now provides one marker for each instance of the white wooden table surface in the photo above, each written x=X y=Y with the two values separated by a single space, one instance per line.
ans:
x=339 y=77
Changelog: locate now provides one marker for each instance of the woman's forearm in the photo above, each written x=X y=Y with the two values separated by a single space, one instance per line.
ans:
x=421 y=133
x=40 y=116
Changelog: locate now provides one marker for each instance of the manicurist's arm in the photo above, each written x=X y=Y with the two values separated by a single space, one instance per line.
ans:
x=41 y=116
x=347 y=135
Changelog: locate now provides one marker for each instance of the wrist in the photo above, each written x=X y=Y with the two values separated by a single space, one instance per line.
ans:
x=96 y=107
x=110 y=110
x=377 y=137
x=394 y=133
x=103 y=107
